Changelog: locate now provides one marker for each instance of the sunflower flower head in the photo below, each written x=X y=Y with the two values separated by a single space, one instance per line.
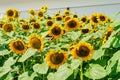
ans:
x=72 y=24
x=8 y=27
x=102 y=18
x=59 y=18
x=56 y=58
x=83 y=50
x=32 y=12
x=94 y=19
x=18 y=46
x=67 y=18
x=10 y=13
x=25 y=27
x=56 y=31
x=36 y=42
x=36 y=26
x=40 y=14
x=83 y=19
x=49 y=23
x=67 y=12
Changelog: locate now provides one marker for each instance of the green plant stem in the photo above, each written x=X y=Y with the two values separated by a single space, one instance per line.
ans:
x=23 y=66
x=81 y=72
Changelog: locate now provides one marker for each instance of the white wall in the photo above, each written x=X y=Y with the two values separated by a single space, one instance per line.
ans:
x=79 y=6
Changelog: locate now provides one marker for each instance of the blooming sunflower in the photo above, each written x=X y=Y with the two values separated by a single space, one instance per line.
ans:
x=56 y=58
x=84 y=19
x=84 y=31
x=17 y=14
x=75 y=16
x=8 y=27
x=67 y=18
x=32 y=12
x=10 y=13
x=36 y=25
x=107 y=34
x=56 y=31
x=32 y=20
x=1 y=24
x=49 y=23
x=94 y=19
x=36 y=42
x=83 y=50
x=72 y=24
x=40 y=14
x=25 y=27
x=58 y=18
x=22 y=21
x=67 y=12
x=18 y=46
x=102 y=18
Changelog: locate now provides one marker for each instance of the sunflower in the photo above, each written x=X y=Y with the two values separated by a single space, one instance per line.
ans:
x=49 y=23
x=32 y=20
x=67 y=18
x=32 y=12
x=58 y=18
x=18 y=46
x=75 y=16
x=107 y=34
x=67 y=12
x=102 y=18
x=36 y=25
x=40 y=14
x=56 y=31
x=109 y=20
x=56 y=58
x=72 y=24
x=17 y=14
x=49 y=17
x=83 y=19
x=83 y=50
x=57 y=14
x=84 y=31
x=8 y=27
x=1 y=24
x=25 y=27
x=94 y=19
x=22 y=21
x=10 y=13
x=36 y=42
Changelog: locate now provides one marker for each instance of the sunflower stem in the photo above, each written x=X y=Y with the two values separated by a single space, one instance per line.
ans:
x=81 y=71
x=23 y=67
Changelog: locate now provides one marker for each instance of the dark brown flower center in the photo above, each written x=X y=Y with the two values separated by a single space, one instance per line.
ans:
x=83 y=19
x=40 y=14
x=58 y=18
x=49 y=23
x=83 y=51
x=32 y=20
x=102 y=18
x=108 y=34
x=95 y=19
x=56 y=30
x=36 y=25
x=57 y=58
x=16 y=14
x=85 y=30
x=67 y=18
x=72 y=24
x=26 y=27
x=18 y=45
x=75 y=16
x=8 y=27
x=10 y=13
x=36 y=43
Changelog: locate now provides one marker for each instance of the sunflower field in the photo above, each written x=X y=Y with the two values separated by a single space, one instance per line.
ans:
x=64 y=46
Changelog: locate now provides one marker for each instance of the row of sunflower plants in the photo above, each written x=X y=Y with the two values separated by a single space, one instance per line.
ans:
x=64 y=46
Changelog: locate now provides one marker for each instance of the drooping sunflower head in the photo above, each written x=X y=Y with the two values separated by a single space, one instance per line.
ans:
x=67 y=18
x=36 y=26
x=58 y=18
x=56 y=58
x=84 y=50
x=72 y=24
x=56 y=31
x=18 y=46
x=102 y=18
x=94 y=18
x=25 y=27
x=49 y=23
x=107 y=34
x=67 y=12
x=83 y=19
x=10 y=13
x=8 y=27
x=36 y=42
x=32 y=12
x=40 y=14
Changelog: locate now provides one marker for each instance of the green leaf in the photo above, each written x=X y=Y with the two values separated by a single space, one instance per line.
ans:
x=118 y=66
x=62 y=73
x=41 y=68
x=4 y=70
x=95 y=72
x=4 y=52
x=116 y=23
x=75 y=35
x=86 y=37
x=112 y=61
x=98 y=53
x=30 y=52
x=9 y=77
x=75 y=63
x=24 y=76
x=116 y=43
x=9 y=62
